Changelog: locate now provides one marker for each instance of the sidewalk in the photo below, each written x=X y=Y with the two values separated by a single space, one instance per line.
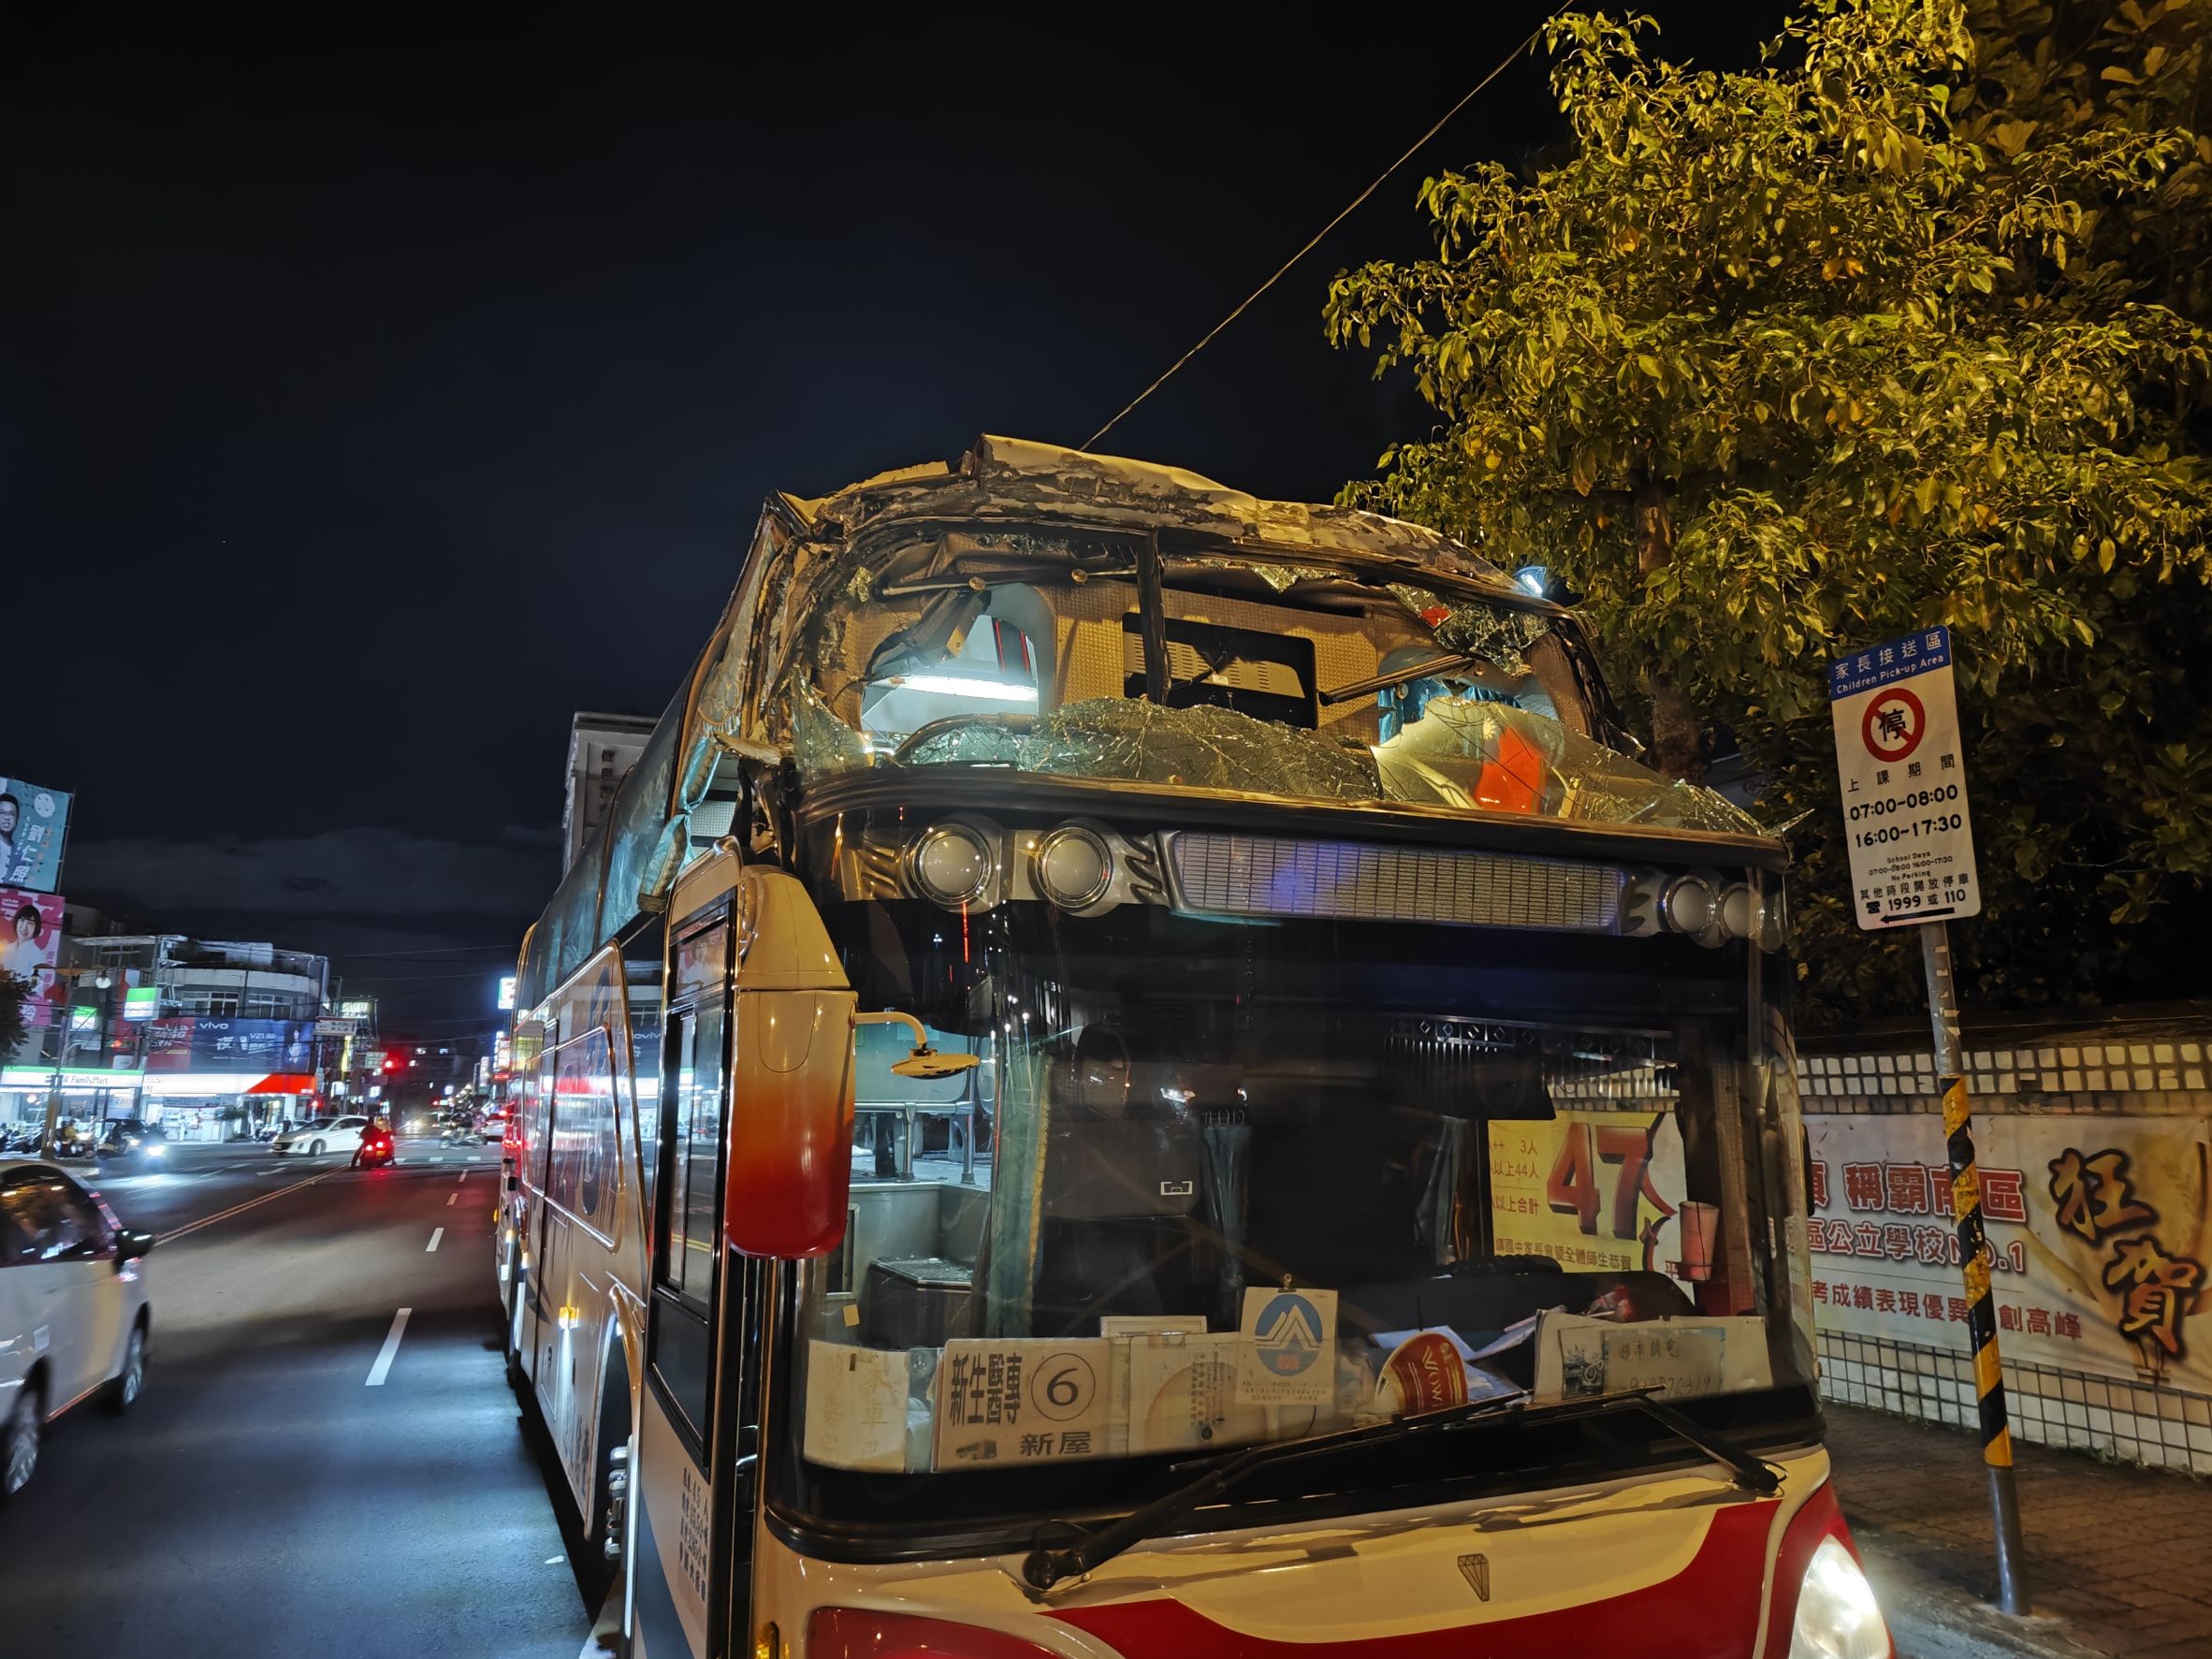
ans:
x=2117 y=1555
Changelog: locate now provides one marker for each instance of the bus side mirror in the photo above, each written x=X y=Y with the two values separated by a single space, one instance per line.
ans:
x=789 y=1155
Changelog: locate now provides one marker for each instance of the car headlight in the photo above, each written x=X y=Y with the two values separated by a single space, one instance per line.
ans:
x=155 y=1149
x=1837 y=1615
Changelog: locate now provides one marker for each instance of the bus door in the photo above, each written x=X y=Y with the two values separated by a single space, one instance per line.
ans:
x=691 y=1468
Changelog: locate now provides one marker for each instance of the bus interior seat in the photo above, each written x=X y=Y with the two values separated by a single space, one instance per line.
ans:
x=1122 y=1227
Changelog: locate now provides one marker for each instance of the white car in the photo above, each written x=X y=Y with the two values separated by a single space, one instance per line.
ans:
x=319 y=1135
x=74 y=1314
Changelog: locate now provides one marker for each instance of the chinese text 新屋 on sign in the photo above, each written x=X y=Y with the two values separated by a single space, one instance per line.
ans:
x=1902 y=774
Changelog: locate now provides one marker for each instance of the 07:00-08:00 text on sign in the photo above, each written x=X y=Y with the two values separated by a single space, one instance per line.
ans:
x=1922 y=797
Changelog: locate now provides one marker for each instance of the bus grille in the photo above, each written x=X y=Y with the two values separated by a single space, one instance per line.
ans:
x=1228 y=875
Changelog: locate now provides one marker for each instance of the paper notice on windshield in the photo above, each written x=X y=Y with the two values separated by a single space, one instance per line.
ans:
x=856 y=1406
x=1182 y=1393
x=1021 y=1402
x=1578 y=1358
x=1291 y=1340
x=1150 y=1324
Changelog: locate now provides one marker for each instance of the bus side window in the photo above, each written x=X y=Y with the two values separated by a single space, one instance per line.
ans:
x=688 y=1223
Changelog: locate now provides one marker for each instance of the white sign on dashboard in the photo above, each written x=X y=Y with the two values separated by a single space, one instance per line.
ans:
x=1016 y=1400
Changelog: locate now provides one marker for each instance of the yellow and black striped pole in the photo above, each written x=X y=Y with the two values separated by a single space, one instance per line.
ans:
x=1981 y=1309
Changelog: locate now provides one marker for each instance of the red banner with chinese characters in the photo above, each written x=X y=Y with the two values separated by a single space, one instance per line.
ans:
x=2098 y=1239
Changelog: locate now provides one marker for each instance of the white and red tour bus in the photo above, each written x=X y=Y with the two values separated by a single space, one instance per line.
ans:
x=1136 y=1071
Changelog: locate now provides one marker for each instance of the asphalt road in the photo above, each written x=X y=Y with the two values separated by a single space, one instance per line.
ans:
x=264 y=1498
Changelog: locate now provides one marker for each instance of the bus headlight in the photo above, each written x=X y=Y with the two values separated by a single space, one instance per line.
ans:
x=1739 y=911
x=1688 y=903
x=1836 y=1614
x=950 y=864
x=1074 y=866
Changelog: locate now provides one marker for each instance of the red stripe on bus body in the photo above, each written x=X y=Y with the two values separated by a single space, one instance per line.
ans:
x=1707 y=1610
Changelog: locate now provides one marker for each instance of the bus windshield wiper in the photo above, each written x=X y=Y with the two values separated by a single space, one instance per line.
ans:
x=1043 y=1569
x=1752 y=1474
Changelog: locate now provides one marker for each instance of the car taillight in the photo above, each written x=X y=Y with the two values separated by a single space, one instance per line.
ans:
x=1823 y=1606
x=861 y=1632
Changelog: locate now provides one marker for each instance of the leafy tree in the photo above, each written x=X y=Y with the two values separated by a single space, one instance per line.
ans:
x=1905 y=324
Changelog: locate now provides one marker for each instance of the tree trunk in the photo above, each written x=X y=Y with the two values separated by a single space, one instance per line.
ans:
x=1677 y=749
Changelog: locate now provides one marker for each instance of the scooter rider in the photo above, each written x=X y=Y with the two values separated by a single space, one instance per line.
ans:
x=376 y=1127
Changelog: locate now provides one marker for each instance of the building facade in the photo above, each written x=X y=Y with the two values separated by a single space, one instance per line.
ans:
x=601 y=748
x=209 y=1038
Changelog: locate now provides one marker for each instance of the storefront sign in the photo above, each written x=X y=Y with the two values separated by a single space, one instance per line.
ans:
x=33 y=823
x=141 y=1002
x=1902 y=771
x=1595 y=1190
x=2098 y=1238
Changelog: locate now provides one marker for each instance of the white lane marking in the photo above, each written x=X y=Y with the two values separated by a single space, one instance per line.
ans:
x=452 y=1198
x=555 y=1560
x=461 y=1177
x=236 y=1209
x=436 y=1233
x=383 y=1367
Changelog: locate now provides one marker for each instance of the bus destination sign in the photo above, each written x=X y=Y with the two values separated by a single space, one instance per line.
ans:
x=1904 y=779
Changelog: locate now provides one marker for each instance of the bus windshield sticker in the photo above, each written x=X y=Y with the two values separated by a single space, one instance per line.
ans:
x=1292 y=1335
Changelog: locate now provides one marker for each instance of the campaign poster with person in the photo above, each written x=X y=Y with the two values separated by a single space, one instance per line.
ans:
x=30 y=939
x=33 y=824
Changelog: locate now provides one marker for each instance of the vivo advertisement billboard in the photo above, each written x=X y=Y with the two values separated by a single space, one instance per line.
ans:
x=206 y=1042
x=33 y=823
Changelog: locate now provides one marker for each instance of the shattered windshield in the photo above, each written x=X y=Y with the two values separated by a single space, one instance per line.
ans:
x=1253 y=677
x=1216 y=1183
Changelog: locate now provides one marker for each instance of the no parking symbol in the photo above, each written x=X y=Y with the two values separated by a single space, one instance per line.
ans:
x=1893 y=725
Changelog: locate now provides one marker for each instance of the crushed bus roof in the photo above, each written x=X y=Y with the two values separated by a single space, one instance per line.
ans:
x=1019 y=478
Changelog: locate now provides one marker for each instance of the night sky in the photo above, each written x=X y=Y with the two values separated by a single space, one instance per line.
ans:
x=369 y=403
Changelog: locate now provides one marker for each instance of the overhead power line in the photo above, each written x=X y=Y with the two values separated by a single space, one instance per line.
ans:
x=1350 y=208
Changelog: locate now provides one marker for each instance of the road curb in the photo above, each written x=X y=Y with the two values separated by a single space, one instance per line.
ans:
x=1930 y=1619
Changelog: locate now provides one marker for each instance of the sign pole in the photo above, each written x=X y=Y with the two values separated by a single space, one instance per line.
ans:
x=1966 y=1214
x=1900 y=765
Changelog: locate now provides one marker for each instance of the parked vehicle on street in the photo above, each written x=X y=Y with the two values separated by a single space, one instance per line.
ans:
x=319 y=1135
x=75 y=1315
x=1375 y=1096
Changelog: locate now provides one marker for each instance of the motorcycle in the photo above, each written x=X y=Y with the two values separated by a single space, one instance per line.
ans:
x=377 y=1150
